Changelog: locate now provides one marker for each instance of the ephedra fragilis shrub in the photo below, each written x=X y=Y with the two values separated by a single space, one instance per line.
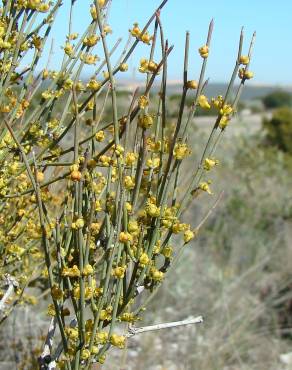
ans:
x=93 y=207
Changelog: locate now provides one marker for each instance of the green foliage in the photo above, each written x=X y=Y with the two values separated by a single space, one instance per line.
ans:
x=277 y=99
x=279 y=129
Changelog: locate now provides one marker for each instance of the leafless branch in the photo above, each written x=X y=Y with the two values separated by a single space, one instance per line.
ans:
x=190 y=321
x=11 y=282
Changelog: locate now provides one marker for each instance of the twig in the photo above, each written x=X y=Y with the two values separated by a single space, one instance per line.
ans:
x=12 y=283
x=132 y=331
x=208 y=214
x=190 y=321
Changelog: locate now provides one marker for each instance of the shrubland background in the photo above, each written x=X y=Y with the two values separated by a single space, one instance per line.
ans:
x=237 y=273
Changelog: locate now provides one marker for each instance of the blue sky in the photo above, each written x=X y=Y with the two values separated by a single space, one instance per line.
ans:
x=272 y=20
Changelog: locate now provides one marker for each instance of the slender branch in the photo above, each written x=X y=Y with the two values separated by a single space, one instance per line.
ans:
x=190 y=321
x=210 y=211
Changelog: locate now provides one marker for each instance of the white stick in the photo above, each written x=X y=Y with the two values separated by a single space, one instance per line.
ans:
x=12 y=283
x=190 y=321
x=133 y=331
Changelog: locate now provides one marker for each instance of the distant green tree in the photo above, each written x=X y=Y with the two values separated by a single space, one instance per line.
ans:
x=279 y=129
x=277 y=99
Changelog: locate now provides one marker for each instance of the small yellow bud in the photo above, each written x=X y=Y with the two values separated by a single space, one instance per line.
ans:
x=45 y=74
x=152 y=66
x=248 y=75
x=79 y=223
x=178 y=227
x=91 y=163
x=209 y=163
x=203 y=102
x=40 y=176
x=131 y=158
x=143 y=102
x=153 y=163
x=119 y=272
x=135 y=31
x=88 y=270
x=146 y=38
x=56 y=292
x=192 y=84
x=128 y=317
x=100 y=136
x=244 y=59
x=71 y=272
x=125 y=237
x=224 y=122
x=245 y=75
x=85 y=354
x=101 y=3
x=68 y=48
x=181 y=151
x=218 y=102
x=133 y=226
x=91 y=40
x=43 y=8
x=205 y=186
x=204 y=51
x=72 y=333
x=119 y=150
x=107 y=29
x=73 y=36
x=118 y=340
x=75 y=175
x=93 y=85
x=145 y=121
x=101 y=337
x=129 y=207
x=93 y=12
x=94 y=350
x=188 y=236
x=129 y=182
x=152 y=210
x=156 y=275
x=95 y=227
x=124 y=67
x=21 y=212
x=167 y=251
x=51 y=310
x=226 y=109
x=144 y=259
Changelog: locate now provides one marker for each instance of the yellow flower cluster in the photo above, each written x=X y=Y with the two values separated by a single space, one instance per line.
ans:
x=148 y=66
x=144 y=37
x=181 y=151
x=71 y=271
x=37 y=5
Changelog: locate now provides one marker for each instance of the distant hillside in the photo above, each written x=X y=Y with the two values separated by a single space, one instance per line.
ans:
x=250 y=91
x=213 y=89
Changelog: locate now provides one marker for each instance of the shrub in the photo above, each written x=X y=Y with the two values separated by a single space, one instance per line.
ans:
x=90 y=204
x=277 y=99
x=279 y=129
